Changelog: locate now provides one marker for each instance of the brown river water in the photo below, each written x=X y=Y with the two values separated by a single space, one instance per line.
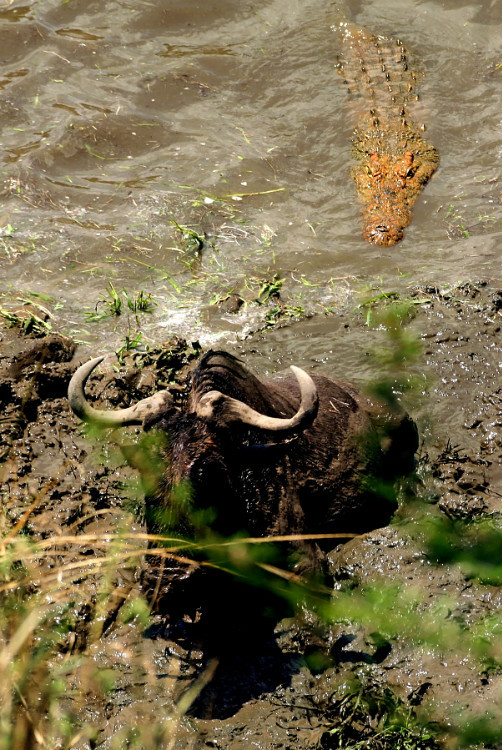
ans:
x=121 y=118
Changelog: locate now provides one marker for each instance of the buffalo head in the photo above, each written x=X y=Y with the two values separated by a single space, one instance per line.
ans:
x=290 y=454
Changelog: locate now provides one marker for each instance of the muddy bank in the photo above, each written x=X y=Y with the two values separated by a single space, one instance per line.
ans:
x=277 y=695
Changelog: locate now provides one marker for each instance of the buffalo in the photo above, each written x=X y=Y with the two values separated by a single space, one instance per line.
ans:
x=289 y=454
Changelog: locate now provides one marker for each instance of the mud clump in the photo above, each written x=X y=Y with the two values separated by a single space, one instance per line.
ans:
x=42 y=445
x=31 y=371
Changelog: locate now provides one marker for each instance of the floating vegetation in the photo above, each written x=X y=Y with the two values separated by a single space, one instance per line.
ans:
x=28 y=320
x=282 y=312
x=107 y=307
x=191 y=241
x=29 y=324
x=269 y=289
x=7 y=230
x=143 y=302
x=456 y=224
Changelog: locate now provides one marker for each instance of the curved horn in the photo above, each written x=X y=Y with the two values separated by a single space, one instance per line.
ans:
x=215 y=405
x=156 y=404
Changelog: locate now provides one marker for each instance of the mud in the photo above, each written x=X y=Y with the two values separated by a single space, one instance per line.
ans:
x=266 y=692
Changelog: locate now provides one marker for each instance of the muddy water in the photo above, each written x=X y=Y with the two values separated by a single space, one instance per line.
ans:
x=119 y=119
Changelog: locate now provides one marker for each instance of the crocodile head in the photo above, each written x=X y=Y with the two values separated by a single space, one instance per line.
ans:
x=387 y=185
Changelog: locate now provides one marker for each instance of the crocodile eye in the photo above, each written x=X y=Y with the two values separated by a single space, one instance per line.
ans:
x=374 y=170
x=403 y=174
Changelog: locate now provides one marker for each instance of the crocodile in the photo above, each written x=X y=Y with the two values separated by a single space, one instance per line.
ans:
x=394 y=162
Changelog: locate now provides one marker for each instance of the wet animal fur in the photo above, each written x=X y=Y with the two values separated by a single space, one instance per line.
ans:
x=314 y=482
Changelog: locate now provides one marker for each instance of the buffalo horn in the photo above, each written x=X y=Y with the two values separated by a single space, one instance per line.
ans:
x=159 y=403
x=216 y=406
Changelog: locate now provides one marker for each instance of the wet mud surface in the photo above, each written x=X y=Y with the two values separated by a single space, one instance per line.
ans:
x=265 y=692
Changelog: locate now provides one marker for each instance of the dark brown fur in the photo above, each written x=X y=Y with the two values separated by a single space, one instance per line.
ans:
x=317 y=482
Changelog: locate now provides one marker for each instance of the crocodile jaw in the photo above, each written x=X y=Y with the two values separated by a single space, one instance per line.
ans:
x=382 y=230
x=388 y=186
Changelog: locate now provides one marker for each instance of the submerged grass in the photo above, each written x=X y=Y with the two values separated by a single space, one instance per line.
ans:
x=111 y=304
